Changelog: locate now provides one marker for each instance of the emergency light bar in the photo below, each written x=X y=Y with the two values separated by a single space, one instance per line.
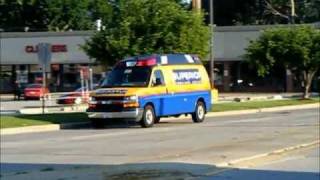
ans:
x=152 y=60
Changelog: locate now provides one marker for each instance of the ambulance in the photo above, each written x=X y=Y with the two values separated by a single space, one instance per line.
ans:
x=146 y=88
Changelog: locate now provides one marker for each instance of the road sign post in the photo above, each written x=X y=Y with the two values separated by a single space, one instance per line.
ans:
x=44 y=56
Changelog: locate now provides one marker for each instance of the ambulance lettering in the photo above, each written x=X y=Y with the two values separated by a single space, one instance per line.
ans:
x=187 y=76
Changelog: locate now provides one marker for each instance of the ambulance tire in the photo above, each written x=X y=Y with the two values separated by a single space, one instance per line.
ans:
x=97 y=123
x=148 y=118
x=199 y=113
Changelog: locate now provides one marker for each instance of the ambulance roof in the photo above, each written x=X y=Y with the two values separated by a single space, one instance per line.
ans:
x=161 y=59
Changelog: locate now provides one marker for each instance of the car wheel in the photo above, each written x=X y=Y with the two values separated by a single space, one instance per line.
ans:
x=199 y=114
x=148 y=118
x=97 y=123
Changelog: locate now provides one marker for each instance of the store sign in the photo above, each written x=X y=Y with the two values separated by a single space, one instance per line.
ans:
x=55 y=48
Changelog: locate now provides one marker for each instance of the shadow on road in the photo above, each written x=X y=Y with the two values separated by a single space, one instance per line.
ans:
x=142 y=171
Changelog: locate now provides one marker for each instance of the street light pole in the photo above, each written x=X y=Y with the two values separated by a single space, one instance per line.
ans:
x=211 y=43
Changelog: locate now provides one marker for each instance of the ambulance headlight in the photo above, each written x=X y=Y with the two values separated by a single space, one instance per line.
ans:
x=131 y=98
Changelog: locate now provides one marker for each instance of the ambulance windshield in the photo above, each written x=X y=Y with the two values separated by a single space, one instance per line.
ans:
x=128 y=77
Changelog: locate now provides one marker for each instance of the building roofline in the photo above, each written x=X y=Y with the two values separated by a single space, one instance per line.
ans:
x=44 y=34
x=90 y=33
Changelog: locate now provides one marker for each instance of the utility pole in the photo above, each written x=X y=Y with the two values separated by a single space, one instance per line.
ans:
x=293 y=12
x=196 y=4
x=289 y=78
x=211 y=43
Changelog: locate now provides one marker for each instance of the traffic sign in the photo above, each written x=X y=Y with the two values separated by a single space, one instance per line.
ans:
x=44 y=54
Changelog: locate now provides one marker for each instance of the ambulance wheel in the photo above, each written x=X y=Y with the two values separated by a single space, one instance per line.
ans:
x=199 y=113
x=97 y=123
x=148 y=118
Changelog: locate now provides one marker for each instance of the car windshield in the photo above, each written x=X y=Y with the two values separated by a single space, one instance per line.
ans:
x=128 y=77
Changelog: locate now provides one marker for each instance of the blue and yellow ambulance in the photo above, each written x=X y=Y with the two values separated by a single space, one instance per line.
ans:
x=146 y=88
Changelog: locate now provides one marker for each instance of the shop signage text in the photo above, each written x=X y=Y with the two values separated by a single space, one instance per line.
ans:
x=55 y=48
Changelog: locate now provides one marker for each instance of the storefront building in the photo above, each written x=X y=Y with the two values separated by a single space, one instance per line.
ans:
x=19 y=61
x=20 y=64
x=233 y=73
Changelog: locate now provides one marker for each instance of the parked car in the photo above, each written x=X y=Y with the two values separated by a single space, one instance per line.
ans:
x=75 y=97
x=35 y=91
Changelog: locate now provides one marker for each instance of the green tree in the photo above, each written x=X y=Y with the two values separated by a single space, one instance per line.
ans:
x=16 y=15
x=279 y=11
x=296 y=48
x=69 y=15
x=52 y=15
x=244 y=12
x=151 y=26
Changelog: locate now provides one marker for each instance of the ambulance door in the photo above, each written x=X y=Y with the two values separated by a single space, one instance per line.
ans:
x=159 y=91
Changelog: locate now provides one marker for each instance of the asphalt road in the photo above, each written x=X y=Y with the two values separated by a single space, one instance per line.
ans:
x=172 y=149
x=303 y=164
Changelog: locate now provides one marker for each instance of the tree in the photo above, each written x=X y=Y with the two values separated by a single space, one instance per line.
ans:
x=151 y=26
x=245 y=12
x=296 y=48
x=22 y=15
x=52 y=15
x=286 y=11
x=69 y=15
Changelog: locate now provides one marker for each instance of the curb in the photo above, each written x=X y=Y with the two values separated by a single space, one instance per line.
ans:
x=271 y=109
x=30 y=129
x=43 y=128
x=233 y=163
x=56 y=127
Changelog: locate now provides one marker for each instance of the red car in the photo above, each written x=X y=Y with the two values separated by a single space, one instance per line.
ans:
x=75 y=97
x=35 y=91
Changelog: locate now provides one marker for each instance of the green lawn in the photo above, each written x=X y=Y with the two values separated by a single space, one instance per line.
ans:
x=260 y=104
x=29 y=120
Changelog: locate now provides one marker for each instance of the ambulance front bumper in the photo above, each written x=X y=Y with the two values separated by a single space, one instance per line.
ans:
x=135 y=114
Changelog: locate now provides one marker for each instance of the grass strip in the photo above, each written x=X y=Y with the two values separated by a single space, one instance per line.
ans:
x=33 y=120
x=260 y=104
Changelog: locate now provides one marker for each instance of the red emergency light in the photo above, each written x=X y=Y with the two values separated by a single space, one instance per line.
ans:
x=146 y=62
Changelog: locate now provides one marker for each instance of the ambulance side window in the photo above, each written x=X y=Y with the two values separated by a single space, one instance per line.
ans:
x=158 y=79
